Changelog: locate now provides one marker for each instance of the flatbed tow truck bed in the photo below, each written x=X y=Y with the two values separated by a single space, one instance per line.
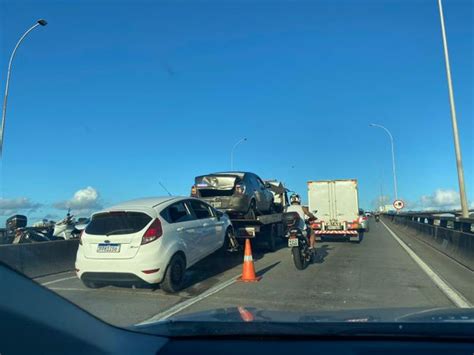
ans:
x=265 y=228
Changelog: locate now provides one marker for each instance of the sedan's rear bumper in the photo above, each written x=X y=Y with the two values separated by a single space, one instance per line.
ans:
x=112 y=277
x=238 y=204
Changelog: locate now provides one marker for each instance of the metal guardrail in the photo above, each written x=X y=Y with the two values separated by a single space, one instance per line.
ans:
x=437 y=219
x=450 y=235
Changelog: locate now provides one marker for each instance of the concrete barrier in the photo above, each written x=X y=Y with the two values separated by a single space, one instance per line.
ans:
x=40 y=259
x=456 y=244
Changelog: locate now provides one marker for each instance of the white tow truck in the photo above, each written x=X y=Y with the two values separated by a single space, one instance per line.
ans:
x=337 y=206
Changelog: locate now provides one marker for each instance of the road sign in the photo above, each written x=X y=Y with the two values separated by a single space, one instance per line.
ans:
x=398 y=204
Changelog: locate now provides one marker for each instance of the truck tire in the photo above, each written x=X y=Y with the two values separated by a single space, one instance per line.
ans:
x=272 y=239
x=174 y=275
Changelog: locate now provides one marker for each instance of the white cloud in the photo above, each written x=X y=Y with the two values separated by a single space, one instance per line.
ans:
x=84 y=201
x=441 y=199
x=12 y=206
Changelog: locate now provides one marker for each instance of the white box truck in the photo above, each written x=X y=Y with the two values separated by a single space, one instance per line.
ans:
x=337 y=206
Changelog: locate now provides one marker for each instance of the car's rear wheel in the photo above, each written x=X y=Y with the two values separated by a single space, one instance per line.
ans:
x=252 y=211
x=174 y=274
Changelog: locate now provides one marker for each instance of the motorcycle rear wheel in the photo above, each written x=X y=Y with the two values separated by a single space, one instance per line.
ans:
x=300 y=261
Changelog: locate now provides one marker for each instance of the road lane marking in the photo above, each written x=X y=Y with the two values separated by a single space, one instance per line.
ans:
x=188 y=303
x=450 y=292
x=69 y=289
x=58 y=280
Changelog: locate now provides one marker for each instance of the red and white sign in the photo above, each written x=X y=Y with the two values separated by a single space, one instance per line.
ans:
x=398 y=204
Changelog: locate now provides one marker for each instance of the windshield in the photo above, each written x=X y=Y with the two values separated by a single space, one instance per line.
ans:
x=170 y=135
x=117 y=223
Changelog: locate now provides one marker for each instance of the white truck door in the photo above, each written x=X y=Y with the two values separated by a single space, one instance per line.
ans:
x=346 y=200
x=319 y=198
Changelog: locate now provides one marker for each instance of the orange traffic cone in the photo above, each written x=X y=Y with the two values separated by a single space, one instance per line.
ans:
x=248 y=270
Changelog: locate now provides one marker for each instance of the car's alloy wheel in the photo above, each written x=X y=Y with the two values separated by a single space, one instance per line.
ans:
x=174 y=275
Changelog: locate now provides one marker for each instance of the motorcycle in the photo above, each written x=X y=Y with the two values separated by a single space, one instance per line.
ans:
x=377 y=218
x=67 y=228
x=29 y=235
x=298 y=241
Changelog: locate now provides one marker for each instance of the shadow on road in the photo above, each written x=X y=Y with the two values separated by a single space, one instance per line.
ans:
x=266 y=269
x=321 y=254
x=339 y=239
x=205 y=274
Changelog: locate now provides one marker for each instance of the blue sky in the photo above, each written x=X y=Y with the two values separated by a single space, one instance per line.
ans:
x=118 y=96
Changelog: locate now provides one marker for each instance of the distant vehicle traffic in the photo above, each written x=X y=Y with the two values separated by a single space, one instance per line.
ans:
x=236 y=193
x=152 y=240
x=337 y=206
x=363 y=220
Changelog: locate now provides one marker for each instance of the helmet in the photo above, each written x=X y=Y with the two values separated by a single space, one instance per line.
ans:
x=295 y=198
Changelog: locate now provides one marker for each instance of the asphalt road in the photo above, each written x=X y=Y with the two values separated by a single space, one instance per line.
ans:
x=377 y=273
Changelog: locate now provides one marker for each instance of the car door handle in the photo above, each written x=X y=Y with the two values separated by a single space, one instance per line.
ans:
x=179 y=229
x=205 y=224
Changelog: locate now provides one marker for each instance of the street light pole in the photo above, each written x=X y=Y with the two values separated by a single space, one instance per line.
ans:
x=232 y=152
x=395 y=188
x=457 y=145
x=5 y=98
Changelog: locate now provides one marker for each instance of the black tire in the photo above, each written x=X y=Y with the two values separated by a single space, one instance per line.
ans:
x=92 y=284
x=174 y=274
x=252 y=211
x=299 y=260
x=272 y=239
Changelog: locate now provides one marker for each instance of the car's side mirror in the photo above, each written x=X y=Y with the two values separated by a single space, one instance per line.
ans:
x=219 y=214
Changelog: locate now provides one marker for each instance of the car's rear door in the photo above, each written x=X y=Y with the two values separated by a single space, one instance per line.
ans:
x=209 y=240
x=260 y=193
x=183 y=225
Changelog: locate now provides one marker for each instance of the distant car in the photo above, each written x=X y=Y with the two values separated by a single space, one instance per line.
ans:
x=152 y=240
x=237 y=193
x=363 y=220
x=368 y=214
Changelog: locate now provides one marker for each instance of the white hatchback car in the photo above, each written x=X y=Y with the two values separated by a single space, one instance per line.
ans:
x=152 y=240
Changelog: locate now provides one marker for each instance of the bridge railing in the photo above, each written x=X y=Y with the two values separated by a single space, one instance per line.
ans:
x=452 y=236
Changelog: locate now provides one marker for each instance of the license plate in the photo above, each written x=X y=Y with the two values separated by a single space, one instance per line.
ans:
x=217 y=204
x=293 y=242
x=108 y=248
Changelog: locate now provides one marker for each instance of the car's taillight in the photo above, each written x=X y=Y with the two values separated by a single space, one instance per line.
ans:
x=316 y=225
x=353 y=225
x=193 y=191
x=153 y=232
x=240 y=189
x=80 y=237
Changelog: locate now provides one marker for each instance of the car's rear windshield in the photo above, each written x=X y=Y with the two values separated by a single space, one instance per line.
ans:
x=216 y=185
x=115 y=223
